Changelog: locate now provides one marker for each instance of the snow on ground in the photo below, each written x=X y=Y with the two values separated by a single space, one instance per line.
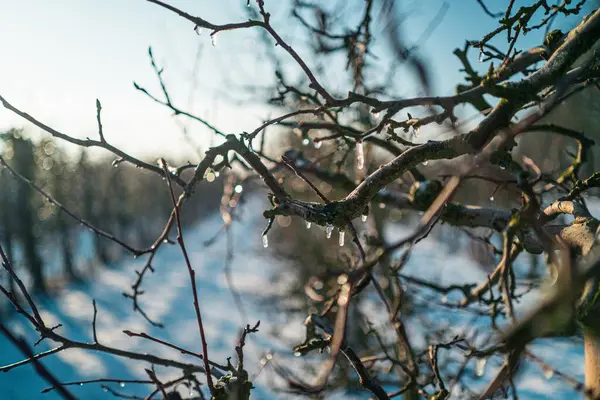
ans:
x=168 y=299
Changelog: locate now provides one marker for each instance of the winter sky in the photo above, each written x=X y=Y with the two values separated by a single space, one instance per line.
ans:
x=58 y=56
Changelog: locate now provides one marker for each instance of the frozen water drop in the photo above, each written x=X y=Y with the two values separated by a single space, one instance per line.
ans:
x=122 y=384
x=305 y=142
x=105 y=388
x=308 y=224
x=492 y=198
x=265 y=241
x=425 y=162
x=480 y=366
x=416 y=131
x=360 y=155
x=239 y=189
x=213 y=38
x=548 y=373
x=318 y=144
x=480 y=58
x=364 y=217
x=328 y=230
x=341 y=241
x=297 y=354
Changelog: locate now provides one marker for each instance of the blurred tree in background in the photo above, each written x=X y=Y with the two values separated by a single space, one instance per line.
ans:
x=121 y=200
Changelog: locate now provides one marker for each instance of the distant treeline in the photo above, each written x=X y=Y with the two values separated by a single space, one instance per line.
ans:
x=130 y=203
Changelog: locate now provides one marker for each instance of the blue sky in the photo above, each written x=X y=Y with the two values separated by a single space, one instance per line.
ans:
x=59 y=56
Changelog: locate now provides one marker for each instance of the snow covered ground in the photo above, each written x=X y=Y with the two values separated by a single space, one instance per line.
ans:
x=168 y=299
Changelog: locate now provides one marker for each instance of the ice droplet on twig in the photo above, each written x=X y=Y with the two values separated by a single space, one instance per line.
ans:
x=364 y=217
x=328 y=230
x=480 y=366
x=308 y=224
x=492 y=198
x=360 y=155
x=548 y=373
x=305 y=142
x=213 y=38
x=265 y=241
x=342 y=234
x=318 y=144
x=480 y=58
x=425 y=162
x=416 y=131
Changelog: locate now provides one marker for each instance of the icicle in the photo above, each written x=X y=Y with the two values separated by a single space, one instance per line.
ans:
x=308 y=224
x=342 y=234
x=328 y=230
x=480 y=366
x=360 y=155
x=480 y=58
x=364 y=217
x=213 y=38
x=265 y=241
